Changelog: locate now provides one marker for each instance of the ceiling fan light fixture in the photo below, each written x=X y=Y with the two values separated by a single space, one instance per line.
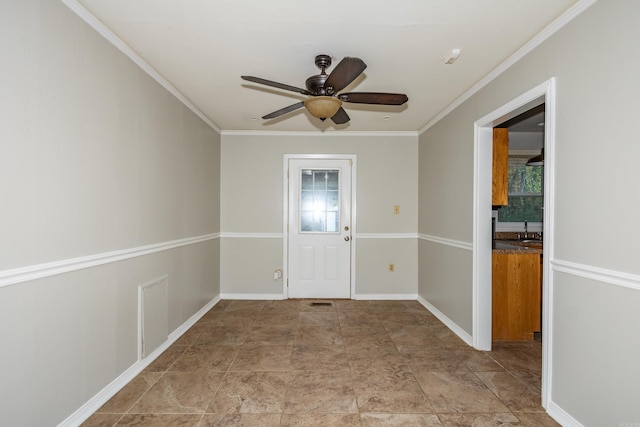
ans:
x=323 y=107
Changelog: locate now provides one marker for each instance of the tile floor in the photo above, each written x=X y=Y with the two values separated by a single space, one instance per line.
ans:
x=348 y=363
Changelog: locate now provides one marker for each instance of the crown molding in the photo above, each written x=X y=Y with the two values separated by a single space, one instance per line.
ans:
x=94 y=23
x=316 y=133
x=536 y=41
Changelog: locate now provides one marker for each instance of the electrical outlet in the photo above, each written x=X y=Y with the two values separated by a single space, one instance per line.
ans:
x=396 y=209
x=392 y=267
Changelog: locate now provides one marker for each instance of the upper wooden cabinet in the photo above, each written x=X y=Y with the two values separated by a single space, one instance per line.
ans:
x=500 y=192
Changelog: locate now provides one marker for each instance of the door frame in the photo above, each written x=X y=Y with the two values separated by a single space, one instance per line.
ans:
x=285 y=214
x=482 y=287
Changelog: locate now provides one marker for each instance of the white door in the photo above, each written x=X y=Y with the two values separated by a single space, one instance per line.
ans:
x=319 y=228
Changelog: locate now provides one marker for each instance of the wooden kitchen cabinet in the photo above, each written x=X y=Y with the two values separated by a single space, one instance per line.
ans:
x=500 y=176
x=516 y=296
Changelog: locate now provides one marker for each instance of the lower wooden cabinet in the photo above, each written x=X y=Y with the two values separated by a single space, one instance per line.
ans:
x=517 y=296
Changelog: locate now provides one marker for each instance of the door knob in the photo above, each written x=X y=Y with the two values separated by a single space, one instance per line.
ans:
x=346 y=239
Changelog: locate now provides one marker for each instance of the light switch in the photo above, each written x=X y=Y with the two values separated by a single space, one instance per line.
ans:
x=396 y=209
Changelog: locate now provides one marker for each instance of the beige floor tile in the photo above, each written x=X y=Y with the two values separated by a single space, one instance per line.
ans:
x=258 y=357
x=276 y=318
x=250 y=392
x=360 y=363
x=156 y=420
x=318 y=335
x=381 y=359
x=129 y=395
x=245 y=305
x=224 y=335
x=319 y=358
x=511 y=391
x=435 y=357
x=458 y=392
x=190 y=337
x=353 y=305
x=283 y=306
x=389 y=392
x=323 y=392
x=357 y=318
x=101 y=420
x=318 y=318
x=320 y=420
x=400 y=420
x=480 y=420
x=537 y=419
x=179 y=392
x=204 y=358
x=240 y=420
x=416 y=335
x=366 y=334
x=402 y=317
x=166 y=359
x=272 y=335
x=387 y=306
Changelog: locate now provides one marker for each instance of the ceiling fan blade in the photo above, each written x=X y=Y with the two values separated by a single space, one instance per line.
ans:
x=275 y=84
x=382 y=98
x=341 y=117
x=284 y=110
x=344 y=73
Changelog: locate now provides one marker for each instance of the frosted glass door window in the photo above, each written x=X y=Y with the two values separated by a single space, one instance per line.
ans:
x=320 y=201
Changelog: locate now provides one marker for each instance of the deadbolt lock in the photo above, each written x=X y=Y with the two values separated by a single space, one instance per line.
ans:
x=346 y=228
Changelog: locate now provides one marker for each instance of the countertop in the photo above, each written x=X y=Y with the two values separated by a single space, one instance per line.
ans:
x=514 y=247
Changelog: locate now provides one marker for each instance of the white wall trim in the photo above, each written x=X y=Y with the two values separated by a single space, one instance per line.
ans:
x=39 y=271
x=603 y=275
x=447 y=242
x=93 y=404
x=259 y=297
x=324 y=134
x=385 y=297
x=537 y=40
x=482 y=184
x=561 y=416
x=234 y=235
x=110 y=36
x=386 y=236
x=464 y=336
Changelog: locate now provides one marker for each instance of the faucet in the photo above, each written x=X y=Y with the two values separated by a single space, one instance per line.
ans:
x=526 y=235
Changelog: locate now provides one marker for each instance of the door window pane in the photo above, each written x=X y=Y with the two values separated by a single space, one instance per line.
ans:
x=319 y=201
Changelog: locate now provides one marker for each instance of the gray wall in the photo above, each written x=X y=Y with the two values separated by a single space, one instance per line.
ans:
x=98 y=163
x=595 y=271
x=252 y=202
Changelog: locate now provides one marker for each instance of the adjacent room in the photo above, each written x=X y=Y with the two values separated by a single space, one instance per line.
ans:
x=343 y=213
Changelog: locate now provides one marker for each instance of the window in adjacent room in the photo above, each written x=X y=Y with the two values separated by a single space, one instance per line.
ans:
x=525 y=192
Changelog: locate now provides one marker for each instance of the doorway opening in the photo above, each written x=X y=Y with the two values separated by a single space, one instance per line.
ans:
x=482 y=220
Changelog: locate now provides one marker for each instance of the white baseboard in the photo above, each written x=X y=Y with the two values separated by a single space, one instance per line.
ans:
x=561 y=416
x=93 y=404
x=464 y=336
x=260 y=297
x=391 y=297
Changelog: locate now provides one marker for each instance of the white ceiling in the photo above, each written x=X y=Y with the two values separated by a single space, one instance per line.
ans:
x=202 y=47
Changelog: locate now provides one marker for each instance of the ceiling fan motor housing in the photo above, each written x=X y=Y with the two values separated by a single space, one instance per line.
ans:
x=315 y=84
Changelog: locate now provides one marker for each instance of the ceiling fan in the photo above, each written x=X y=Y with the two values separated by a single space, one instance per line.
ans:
x=324 y=100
